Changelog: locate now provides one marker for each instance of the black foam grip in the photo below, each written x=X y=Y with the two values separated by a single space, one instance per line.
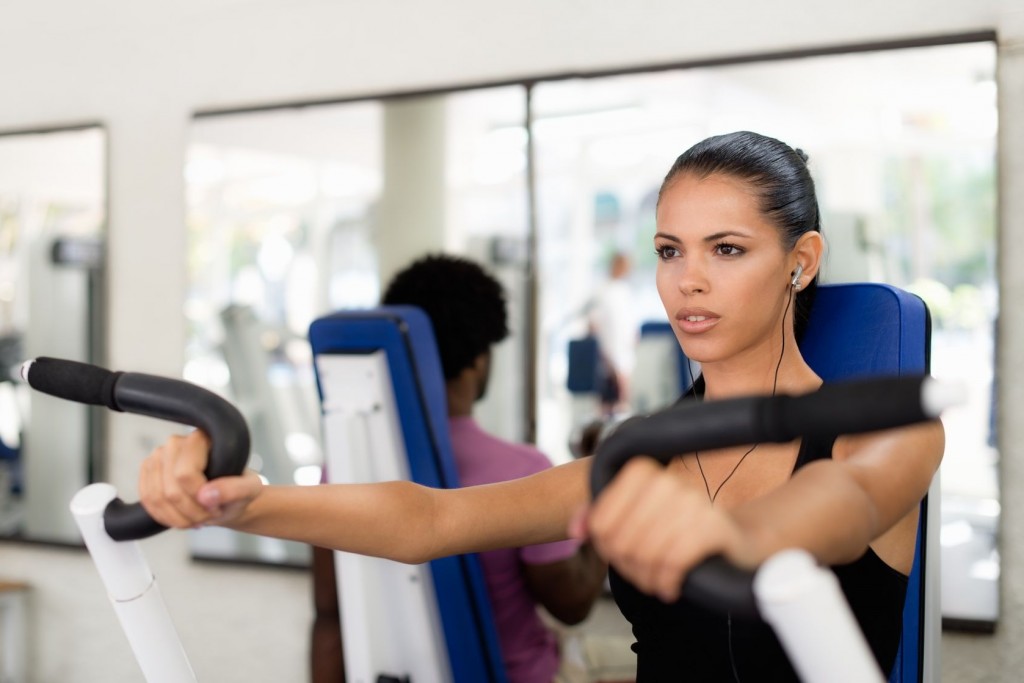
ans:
x=159 y=397
x=848 y=408
x=839 y=408
x=185 y=403
x=718 y=585
x=74 y=381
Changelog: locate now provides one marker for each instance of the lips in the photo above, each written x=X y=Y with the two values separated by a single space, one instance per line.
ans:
x=696 y=320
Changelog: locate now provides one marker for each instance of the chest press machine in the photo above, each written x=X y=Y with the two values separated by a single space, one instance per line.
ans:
x=432 y=622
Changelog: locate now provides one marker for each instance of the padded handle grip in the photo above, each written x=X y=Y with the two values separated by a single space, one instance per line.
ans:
x=839 y=408
x=71 y=380
x=160 y=397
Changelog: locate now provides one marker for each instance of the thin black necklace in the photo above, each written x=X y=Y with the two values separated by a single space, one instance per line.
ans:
x=707 y=487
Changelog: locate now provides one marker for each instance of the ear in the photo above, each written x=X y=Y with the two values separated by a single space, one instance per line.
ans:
x=807 y=253
x=482 y=364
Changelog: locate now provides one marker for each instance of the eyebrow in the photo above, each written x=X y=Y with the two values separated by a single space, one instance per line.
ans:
x=710 y=238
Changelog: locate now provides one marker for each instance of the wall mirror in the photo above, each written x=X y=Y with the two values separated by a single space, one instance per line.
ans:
x=292 y=213
x=53 y=205
x=902 y=146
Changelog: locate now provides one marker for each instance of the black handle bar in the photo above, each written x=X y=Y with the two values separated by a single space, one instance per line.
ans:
x=160 y=397
x=839 y=408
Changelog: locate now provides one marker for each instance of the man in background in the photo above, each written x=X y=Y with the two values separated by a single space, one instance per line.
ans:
x=468 y=312
x=612 y=321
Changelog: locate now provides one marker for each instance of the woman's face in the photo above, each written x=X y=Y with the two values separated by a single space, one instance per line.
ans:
x=722 y=271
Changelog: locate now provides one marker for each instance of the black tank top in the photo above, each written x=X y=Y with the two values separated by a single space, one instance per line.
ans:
x=684 y=642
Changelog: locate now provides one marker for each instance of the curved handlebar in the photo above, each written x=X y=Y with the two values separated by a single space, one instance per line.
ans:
x=153 y=396
x=839 y=408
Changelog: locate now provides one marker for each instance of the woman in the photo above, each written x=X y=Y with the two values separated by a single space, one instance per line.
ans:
x=739 y=250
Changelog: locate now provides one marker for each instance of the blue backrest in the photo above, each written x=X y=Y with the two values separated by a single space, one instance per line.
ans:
x=867 y=329
x=405 y=334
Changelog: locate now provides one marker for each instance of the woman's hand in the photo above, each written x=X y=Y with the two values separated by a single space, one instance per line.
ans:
x=176 y=493
x=653 y=528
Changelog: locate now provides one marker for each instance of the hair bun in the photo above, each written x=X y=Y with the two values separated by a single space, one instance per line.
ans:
x=802 y=154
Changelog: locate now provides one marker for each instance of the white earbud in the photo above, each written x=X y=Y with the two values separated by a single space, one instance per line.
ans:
x=795 y=282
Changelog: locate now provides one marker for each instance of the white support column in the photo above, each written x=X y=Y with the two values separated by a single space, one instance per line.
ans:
x=411 y=215
x=1003 y=647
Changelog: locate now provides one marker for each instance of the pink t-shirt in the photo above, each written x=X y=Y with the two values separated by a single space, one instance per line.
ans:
x=529 y=649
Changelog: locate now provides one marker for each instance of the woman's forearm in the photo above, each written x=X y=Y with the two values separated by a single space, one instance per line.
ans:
x=407 y=522
x=393 y=520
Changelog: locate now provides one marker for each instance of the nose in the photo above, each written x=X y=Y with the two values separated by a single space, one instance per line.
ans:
x=692 y=277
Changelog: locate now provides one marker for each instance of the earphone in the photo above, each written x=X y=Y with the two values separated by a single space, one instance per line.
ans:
x=795 y=282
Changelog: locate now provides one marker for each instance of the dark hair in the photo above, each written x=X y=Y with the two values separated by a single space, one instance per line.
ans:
x=779 y=176
x=466 y=306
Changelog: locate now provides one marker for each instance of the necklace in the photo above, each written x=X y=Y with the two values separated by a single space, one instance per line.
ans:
x=707 y=487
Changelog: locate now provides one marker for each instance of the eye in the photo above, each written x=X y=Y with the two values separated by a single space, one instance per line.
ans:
x=666 y=252
x=726 y=249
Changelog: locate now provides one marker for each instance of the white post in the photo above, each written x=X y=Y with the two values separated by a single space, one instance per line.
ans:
x=390 y=619
x=805 y=606
x=133 y=591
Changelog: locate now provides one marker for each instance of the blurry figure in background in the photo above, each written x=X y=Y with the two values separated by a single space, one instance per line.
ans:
x=468 y=312
x=611 y=320
x=467 y=309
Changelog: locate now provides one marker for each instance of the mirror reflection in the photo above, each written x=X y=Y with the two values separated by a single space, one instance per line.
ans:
x=902 y=145
x=52 y=217
x=293 y=213
x=296 y=212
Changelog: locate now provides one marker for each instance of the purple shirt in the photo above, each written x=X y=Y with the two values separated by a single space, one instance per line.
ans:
x=529 y=649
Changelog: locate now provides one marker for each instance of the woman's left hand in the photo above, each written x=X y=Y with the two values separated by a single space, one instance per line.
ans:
x=653 y=528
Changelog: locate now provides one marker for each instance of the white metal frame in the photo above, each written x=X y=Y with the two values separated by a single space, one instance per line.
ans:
x=390 y=619
x=132 y=590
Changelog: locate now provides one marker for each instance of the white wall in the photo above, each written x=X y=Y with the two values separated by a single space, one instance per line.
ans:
x=142 y=69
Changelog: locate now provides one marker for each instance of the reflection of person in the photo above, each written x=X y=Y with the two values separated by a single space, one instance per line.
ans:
x=612 y=322
x=737 y=218
x=467 y=309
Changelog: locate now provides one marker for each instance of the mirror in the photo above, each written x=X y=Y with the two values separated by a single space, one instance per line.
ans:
x=296 y=212
x=902 y=145
x=279 y=211
x=52 y=219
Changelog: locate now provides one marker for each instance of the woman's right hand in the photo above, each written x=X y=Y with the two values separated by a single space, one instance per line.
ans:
x=176 y=493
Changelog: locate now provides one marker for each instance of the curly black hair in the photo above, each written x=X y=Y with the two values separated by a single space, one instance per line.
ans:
x=465 y=304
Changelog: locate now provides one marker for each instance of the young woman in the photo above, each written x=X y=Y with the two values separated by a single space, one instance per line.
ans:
x=739 y=242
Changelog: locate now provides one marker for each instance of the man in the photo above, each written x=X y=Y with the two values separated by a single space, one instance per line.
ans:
x=612 y=320
x=468 y=312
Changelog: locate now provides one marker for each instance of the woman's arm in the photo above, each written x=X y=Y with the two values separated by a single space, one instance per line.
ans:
x=653 y=528
x=836 y=508
x=397 y=520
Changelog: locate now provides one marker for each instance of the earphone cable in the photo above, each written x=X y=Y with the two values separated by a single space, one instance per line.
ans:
x=775 y=384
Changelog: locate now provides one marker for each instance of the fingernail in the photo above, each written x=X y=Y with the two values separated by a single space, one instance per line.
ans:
x=209 y=498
